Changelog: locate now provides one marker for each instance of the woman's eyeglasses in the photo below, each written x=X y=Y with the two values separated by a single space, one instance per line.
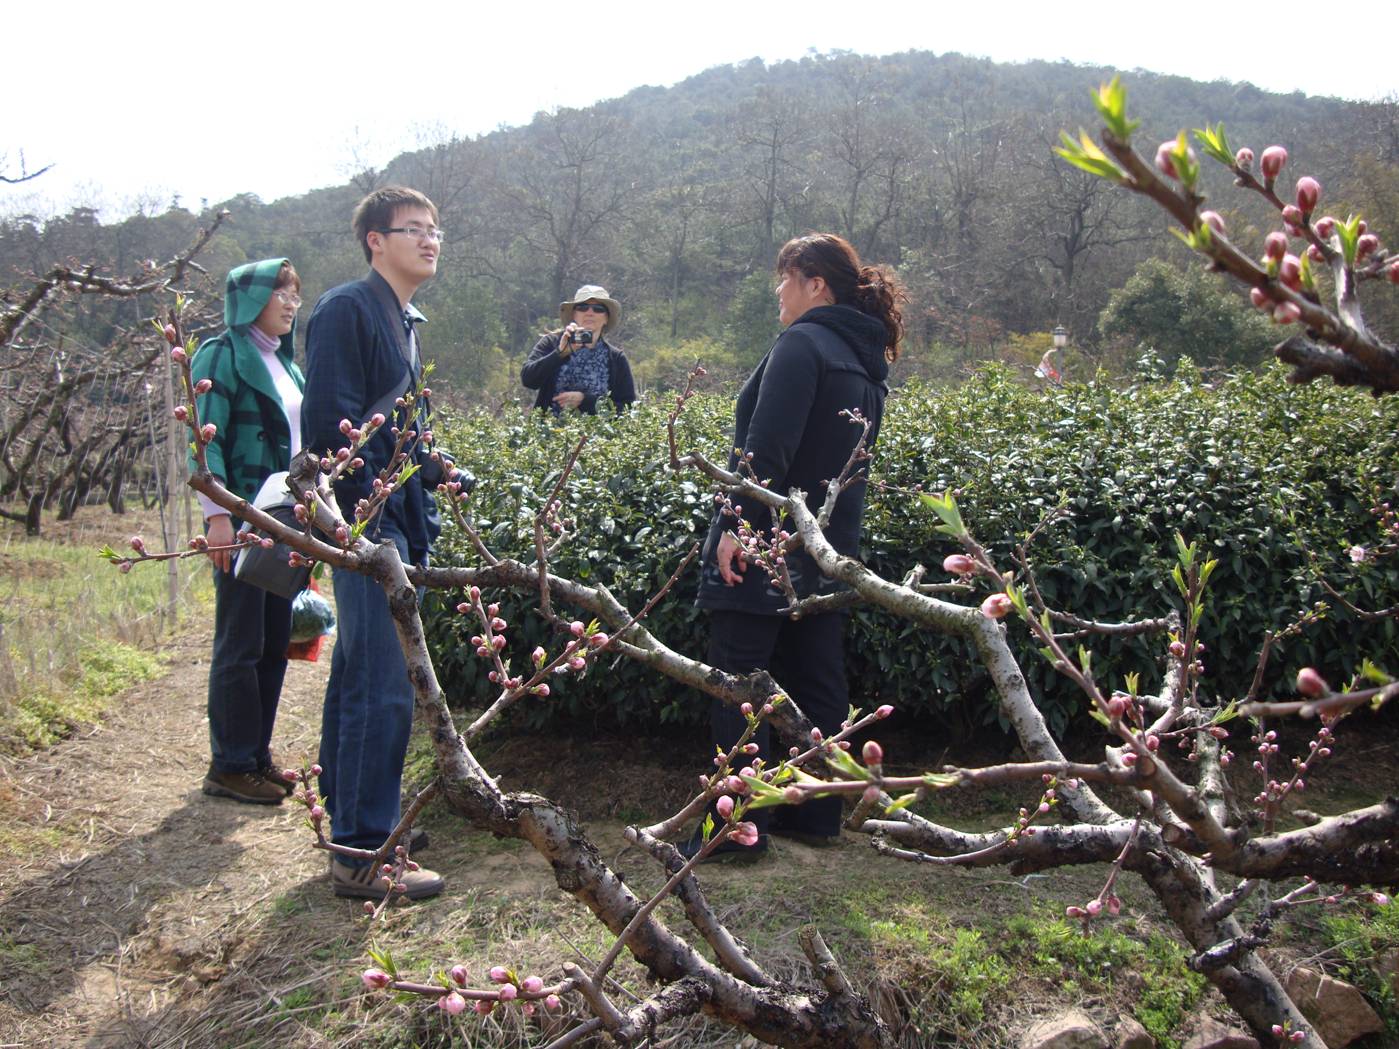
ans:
x=288 y=298
x=590 y=307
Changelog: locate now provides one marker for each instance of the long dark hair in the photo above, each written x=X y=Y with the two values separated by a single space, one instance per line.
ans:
x=870 y=289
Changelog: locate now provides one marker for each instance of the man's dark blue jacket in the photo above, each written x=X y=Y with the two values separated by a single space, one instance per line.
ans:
x=355 y=355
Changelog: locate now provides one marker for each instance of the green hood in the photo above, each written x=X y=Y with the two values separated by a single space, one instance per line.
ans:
x=246 y=293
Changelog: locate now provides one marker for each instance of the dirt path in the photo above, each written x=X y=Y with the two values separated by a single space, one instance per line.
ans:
x=147 y=882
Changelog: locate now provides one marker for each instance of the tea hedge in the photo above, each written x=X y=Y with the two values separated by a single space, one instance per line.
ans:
x=1259 y=470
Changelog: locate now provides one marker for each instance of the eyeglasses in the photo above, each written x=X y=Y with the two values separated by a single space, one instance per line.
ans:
x=417 y=232
x=590 y=307
x=288 y=298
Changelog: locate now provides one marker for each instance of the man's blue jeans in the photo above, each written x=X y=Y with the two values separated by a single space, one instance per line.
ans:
x=368 y=712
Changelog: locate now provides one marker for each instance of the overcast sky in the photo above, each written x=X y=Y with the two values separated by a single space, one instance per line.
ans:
x=136 y=102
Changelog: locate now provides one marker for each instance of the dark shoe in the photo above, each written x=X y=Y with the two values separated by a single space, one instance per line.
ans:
x=796 y=824
x=728 y=851
x=367 y=883
x=249 y=787
x=816 y=841
x=274 y=774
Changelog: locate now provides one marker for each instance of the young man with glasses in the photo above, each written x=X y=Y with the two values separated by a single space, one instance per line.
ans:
x=361 y=354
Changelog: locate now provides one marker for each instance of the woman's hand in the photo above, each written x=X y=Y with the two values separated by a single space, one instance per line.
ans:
x=566 y=346
x=568 y=399
x=221 y=534
x=732 y=560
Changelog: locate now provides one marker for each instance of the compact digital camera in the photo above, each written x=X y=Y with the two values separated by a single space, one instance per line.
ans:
x=581 y=337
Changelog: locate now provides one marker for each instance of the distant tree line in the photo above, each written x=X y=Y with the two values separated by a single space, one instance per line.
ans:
x=678 y=198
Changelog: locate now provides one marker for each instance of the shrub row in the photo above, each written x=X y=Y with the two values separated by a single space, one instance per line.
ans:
x=1259 y=471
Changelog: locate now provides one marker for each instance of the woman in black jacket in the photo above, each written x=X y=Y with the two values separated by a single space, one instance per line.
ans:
x=843 y=331
x=575 y=367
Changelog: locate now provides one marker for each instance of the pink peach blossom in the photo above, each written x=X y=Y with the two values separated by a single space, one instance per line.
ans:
x=997 y=606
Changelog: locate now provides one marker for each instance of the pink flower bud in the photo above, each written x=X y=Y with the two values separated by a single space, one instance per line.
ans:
x=1275 y=245
x=376 y=979
x=1272 y=161
x=1259 y=298
x=1153 y=742
x=1379 y=899
x=552 y=1002
x=1315 y=254
x=1164 y=159
x=997 y=606
x=498 y=624
x=1308 y=193
x=1290 y=272
x=497 y=642
x=180 y=412
x=1243 y=159
x=1311 y=684
x=736 y=784
x=203 y=386
x=178 y=355
x=1358 y=554
x=958 y=564
x=598 y=640
x=1325 y=226
x=532 y=985
x=208 y=431
x=725 y=807
x=1292 y=216
x=792 y=795
x=482 y=1007
x=475 y=593
x=1114 y=906
x=508 y=993
x=745 y=833
x=1178 y=649
x=746 y=710
x=577 y=663
x=1094 y=908
x=873 y=753
x=1213 y=220
x=1366 y=245
x=499 y=974
x=1287 y=313
x=884 y=711
x=452 y=1004
x=1129 y=758
x=539 y=655
x=1074 y=912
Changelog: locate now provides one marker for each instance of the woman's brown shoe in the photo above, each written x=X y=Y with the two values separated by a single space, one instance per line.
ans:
x=252 y=788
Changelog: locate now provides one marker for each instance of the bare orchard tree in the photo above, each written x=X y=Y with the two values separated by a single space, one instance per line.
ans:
x=76 y=414
x=1173 y=824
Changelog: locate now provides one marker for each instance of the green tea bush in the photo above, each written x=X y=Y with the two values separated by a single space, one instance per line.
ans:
x=1258 y=470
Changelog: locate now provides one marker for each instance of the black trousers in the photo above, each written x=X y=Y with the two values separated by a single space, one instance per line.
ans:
x=251 y=631
x=807 y=658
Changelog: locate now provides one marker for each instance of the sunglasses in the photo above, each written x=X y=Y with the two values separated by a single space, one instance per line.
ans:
x=590 y=307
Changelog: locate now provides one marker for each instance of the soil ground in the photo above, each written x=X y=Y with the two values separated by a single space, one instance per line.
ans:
x=135 y=911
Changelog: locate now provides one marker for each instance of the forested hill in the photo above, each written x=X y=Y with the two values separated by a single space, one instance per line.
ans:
x=677 y=199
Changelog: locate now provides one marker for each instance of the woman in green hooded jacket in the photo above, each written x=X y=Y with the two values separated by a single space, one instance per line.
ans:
x=255 y=404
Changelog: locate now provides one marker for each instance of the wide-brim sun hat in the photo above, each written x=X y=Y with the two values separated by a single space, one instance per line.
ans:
x=592 y=293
